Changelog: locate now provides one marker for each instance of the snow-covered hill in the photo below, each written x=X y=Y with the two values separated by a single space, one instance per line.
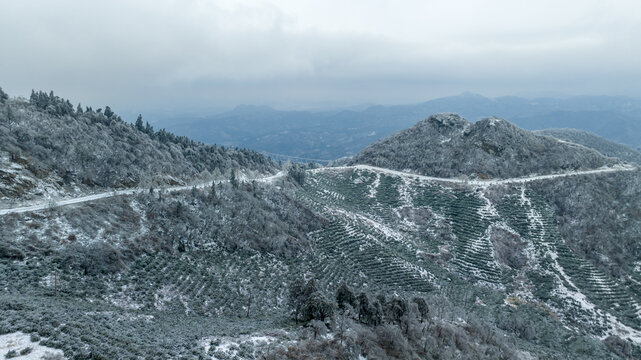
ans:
x=446 y=145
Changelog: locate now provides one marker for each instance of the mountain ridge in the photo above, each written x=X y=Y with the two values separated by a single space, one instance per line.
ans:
x=447 y=145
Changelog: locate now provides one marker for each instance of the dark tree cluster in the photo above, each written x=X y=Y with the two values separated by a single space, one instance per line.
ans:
x=384 y=327
x=308 y=301
x=51 y=103
x=297 y=173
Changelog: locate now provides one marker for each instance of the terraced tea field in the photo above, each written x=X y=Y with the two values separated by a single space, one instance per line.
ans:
x=393 y=231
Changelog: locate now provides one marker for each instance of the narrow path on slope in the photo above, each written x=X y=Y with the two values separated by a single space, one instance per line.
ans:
x=53 y=203
x=484 y=183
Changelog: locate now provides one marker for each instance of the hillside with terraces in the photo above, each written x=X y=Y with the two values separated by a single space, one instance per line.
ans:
x=405 y=233
x=251 y=261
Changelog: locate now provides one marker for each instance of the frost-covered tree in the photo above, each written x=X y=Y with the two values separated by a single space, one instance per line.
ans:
x=139 y=124
x=308 y=302
x=232 y=180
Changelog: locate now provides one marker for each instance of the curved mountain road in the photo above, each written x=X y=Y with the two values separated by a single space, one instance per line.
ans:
x=472 y=182
x=489 y=182
x=56 y=203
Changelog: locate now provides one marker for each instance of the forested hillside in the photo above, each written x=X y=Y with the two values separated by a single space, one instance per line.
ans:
x=447 y=145
x=49 y=147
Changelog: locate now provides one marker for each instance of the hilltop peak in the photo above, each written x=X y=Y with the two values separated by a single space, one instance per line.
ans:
x=449 y=120
x=448 y=145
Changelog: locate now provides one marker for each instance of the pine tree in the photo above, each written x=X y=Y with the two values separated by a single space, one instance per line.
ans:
x=363 y=307
x=149 y=129
x=3 y=96
x=233 y=181
x=108 y=112
x=10 y=117
x=79 y=109
x=139 y=125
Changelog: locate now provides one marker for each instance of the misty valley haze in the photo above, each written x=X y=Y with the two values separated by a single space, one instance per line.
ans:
x=330 y=135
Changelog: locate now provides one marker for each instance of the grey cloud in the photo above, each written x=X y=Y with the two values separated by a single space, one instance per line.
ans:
x=171 y=54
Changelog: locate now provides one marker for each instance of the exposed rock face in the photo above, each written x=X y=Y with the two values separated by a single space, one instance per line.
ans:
x=447 y=145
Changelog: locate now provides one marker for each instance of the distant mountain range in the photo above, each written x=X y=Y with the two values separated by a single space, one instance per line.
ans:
x=333 y=134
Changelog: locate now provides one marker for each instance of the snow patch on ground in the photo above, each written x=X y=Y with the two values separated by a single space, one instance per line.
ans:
x=374 y=187
x=404 y=192
x=615 y=326
x=164 y=296
x=487 y=210
x=19 y=342
x=241 y=347
x=123 y=300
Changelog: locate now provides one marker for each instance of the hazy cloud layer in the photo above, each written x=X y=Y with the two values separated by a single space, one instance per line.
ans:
x=175 y=54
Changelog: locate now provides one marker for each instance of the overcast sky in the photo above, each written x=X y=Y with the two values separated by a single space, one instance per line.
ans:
x=180 y=54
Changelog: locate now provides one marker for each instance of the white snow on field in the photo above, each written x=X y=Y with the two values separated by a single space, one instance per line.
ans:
x=21 y=342
x=333 y=194
x=123 y=300
x=374 y=187
x=488 y=210
x=388 y=233
x=615 y=326
x=241 y=347
x=404 y=191
x=163 y=296
x=385 y=230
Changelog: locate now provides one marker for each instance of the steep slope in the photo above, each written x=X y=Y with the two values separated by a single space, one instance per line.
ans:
x=604 y=146
x=500 y=239
x=48 y=148
x=447 y=145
